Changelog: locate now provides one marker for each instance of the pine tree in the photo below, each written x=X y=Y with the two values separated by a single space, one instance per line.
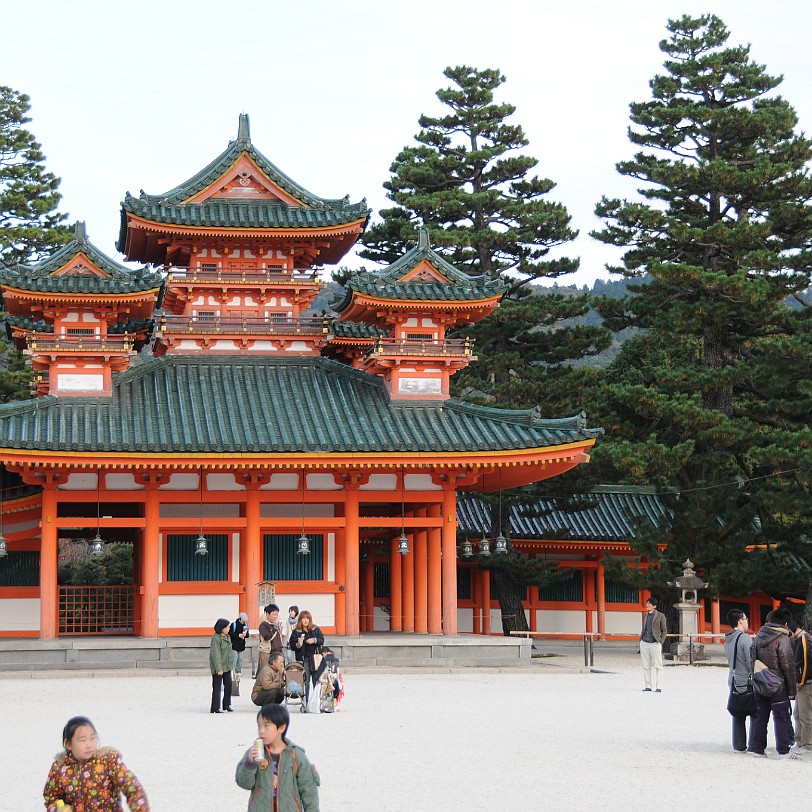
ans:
x=703 y=401
x=30 y=226
x=468 y=181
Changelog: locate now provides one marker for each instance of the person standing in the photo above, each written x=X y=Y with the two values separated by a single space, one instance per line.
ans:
x=772 y=646
x=270 y=635
x=737 y=651
x=89 y=778
x=802 y=649
x=652 y=637
x=289 y=625
x=238 y=632
x=306 y=642
x=277 y=773
x=269 y=686
x=220 y=662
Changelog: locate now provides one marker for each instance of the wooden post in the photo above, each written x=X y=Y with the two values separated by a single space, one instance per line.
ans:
x=369 y=596
x=341 y=578
x=48 y=563
x=435 y=592
x=395 y=588
x=353 y=550
x=449 y=559
x=486 y=595
x=251 y=552
x=601 y=576
x=421 y=573
x=150 y=563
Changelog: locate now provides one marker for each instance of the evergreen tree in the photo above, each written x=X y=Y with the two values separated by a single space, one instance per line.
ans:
x=469 y=183
x=711 y=400
x=30 y=226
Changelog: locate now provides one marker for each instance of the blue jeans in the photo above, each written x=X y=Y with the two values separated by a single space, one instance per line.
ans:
x=778 y=705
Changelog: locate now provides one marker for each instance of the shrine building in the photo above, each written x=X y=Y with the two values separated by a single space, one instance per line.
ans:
x=205 y=411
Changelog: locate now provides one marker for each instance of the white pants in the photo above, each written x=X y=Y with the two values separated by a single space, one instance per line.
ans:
x=652 y=656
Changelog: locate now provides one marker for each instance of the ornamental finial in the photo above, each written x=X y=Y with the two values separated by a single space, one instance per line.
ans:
x=244 y=130
x=79 y=231
x=423 y=243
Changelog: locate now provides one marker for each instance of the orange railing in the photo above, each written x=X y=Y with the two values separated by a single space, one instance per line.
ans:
x=96 y=610
x=250 y=324
x=119 y=342
x=455 y=347
x=241 y=276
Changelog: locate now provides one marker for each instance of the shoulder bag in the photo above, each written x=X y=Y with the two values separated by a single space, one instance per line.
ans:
x=741 y=702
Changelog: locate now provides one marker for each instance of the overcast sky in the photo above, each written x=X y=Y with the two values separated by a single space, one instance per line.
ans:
x=130 y=96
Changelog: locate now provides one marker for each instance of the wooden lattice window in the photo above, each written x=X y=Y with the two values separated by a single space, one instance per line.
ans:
x=282 y=563
x=183 y=565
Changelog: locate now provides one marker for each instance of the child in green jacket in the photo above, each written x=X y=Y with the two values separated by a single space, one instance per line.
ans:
x=220 y=661
x=278 y=774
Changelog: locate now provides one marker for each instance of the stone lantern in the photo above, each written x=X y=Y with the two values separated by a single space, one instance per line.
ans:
x=688 y=583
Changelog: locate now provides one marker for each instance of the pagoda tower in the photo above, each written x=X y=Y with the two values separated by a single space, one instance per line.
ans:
x=411 y=305
x=240 y=243
x=79 y=315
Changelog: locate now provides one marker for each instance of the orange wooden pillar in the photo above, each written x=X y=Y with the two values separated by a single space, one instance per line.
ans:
x=150 y=562
x=434 y=579
x=252 y=553
x=716 y=620
x=341 y=577
x=477 y=599
x=486 y=598
x=421 y=576
x=407 y=571
x=368 y=621
x=395 y=588
x=48 y=563
x=601 y=592
x=449 y=559
x=352 y=546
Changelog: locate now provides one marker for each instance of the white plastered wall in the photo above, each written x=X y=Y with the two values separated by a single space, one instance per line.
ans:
x=19 y=614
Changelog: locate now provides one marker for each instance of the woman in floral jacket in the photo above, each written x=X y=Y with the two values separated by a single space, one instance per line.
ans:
x=89 y=778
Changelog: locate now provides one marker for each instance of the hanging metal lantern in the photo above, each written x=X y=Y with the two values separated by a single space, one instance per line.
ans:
x=466 y=549
x=201 y=545
x=97 y=546
x=484 y=546
x=403 y=544
x=500 y=544
x=3 y=547
x=303 y=545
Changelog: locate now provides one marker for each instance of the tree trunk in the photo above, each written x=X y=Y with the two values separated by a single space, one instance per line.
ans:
x=510 y=595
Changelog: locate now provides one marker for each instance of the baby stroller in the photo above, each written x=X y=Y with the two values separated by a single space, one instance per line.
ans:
x=295 y=685
x=329 y=682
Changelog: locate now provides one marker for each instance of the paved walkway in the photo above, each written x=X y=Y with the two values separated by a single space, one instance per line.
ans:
x=548 y=737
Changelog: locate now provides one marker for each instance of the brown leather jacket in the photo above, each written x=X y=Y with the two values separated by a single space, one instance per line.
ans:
x=772 y=646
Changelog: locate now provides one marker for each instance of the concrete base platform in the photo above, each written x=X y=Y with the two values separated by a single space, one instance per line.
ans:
x=167 y=654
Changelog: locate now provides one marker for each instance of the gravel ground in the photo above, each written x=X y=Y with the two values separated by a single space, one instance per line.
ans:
x=545 y=737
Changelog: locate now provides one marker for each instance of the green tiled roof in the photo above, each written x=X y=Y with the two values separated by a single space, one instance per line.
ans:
x=129 y=326
x=315 y=212
x=356 y=329
x=236 y=404
x=40 y=276
x=221 y=213
x=387 y=284
x=607 y=513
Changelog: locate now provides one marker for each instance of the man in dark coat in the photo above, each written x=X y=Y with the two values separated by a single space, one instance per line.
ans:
x=772 y=646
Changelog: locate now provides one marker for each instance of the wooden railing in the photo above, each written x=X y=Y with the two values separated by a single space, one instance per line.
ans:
x=250 y=325
x=241 y=276
x=455 y=347
x=118 y=342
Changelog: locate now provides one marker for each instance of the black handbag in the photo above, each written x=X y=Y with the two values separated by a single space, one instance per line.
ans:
x=741 y=702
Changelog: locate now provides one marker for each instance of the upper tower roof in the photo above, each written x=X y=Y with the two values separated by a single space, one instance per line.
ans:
x=420 y=275
x=79 y=267
x=239 y=193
